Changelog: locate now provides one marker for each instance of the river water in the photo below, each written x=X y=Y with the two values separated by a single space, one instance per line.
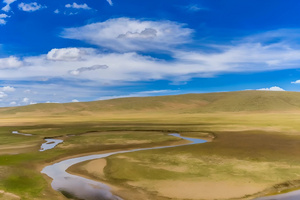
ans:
x=50 y=144
x=25 y=134
x=87 y=189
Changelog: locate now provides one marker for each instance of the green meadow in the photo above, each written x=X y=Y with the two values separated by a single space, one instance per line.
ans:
x=253 y=145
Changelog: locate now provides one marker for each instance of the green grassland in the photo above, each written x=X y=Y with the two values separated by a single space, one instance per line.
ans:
x=256 y=140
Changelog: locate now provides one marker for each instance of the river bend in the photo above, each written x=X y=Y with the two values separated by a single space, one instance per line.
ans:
x=87 y=189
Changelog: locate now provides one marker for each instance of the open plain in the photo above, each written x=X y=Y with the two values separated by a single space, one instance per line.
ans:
x=252 y=150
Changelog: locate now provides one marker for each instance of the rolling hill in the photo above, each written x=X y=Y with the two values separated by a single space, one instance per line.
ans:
x=241 y=101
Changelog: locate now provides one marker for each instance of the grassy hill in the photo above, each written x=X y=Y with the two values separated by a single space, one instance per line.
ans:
x=256 y=101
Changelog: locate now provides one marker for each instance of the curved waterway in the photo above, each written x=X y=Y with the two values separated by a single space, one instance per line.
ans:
x=87 y=189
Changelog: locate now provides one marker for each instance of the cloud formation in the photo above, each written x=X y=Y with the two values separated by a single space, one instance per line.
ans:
x=274 y=88
x=124 y=34
x=2 y=95
x=65 y=68
x=2 y=18
x=10 y=62
x=65 y=54
x=296 y=82
x=8 y=89
x=78 y=6
x=7 y=8
x=30 y=7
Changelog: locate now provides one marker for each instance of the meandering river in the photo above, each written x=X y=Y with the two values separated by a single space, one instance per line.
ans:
x=87 y=189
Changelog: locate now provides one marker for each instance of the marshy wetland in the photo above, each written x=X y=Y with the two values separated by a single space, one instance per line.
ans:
x=252 y=152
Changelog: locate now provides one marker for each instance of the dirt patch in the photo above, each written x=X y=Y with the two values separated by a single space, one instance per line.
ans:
x=208 y=190
x=95 y=167
x=8 y=196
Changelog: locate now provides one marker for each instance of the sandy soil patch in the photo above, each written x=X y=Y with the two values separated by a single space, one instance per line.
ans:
x=8 y=196
x=208 y=190
x=95 y=167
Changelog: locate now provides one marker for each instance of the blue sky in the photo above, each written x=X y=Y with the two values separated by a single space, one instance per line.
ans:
x=64 y=51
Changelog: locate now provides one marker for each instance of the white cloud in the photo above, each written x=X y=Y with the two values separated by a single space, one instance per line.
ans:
x=2 y=95
x=2 y=18
x=13 y=103
x=131 y=67
x=75 y=100
x=10 y=62
x=274 y=88
x=30 y=7
x=124 y=34
x=25 y=100
x=78 y=6
x=110 y=2
x=65 y=54
x=296 y=82
x=56 y=11
x=8 y=89
x=7 y=8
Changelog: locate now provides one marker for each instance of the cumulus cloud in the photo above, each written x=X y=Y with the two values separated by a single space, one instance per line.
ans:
x=30 y=7
x=65 y=54
x=110 y=2
x=85 y=69
x=8 y=89
x=274 y=88
x=2 y=18
x=75 y=100
x=7 y=8
x=10 y=62
x=78 y=6
x=25 y=100
x=296 y=82
x=2 y=95
x=124 y=34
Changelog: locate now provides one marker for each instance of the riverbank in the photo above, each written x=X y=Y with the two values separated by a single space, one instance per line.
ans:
x=88 y=189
